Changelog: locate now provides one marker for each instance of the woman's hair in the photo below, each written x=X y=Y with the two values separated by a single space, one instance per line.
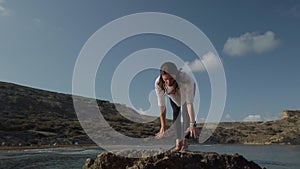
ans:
x=168 y=68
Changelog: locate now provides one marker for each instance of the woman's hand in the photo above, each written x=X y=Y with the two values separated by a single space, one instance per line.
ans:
x=161 y=133
x=193 y=132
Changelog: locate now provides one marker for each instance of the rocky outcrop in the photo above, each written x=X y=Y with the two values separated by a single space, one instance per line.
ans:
x=180 y=160
x=283 y=131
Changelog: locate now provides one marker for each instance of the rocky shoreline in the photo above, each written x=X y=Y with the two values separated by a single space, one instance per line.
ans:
x=179 y=160
x=5 y=148
x=37 y=118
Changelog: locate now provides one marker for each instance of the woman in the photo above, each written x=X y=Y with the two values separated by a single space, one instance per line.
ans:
x=180 y=88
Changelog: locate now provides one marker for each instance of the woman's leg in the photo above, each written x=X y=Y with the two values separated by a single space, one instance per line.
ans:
x=177 y=126
x=185 y=117
x=176 y=119
x=186 y=125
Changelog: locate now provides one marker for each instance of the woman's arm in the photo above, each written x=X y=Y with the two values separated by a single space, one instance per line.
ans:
x=190 y=109
x=162 y=118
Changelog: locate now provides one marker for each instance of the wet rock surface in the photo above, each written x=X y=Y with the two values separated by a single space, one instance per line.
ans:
x=178 y=160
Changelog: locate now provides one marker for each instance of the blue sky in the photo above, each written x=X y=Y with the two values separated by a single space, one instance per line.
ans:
x=257 y=41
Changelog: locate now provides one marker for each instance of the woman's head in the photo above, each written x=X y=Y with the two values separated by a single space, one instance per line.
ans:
x=168 y=75
x=169 y=68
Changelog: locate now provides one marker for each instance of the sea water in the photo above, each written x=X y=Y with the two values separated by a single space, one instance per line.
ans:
x=55 y=158
x=271 y=157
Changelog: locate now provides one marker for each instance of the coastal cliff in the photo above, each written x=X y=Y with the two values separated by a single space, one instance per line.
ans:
x=34 y=117
x=184 y=160
x=282 y=131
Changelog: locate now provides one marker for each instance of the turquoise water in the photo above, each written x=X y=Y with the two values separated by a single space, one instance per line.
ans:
x=271 y=157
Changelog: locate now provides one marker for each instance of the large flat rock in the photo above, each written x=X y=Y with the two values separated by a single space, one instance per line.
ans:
x=167 y=160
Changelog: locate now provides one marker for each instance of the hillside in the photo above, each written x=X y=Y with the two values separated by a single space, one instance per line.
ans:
x=31 y=116
x=283 y=131
x=36 y=117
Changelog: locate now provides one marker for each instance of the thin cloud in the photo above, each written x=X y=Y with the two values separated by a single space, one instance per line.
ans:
x=292 y=11
x=250 y=43
x=252 y=118
x=37 y=20
x=271 y=116
x=263 y=117
x=209 y=60
x=195 y=66
x=3 y=11
x=229 y=118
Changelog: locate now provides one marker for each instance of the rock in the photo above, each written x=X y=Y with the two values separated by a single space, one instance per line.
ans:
x=167 y=160
x=88 y=163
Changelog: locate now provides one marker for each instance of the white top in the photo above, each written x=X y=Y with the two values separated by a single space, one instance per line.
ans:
x=185 y=94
